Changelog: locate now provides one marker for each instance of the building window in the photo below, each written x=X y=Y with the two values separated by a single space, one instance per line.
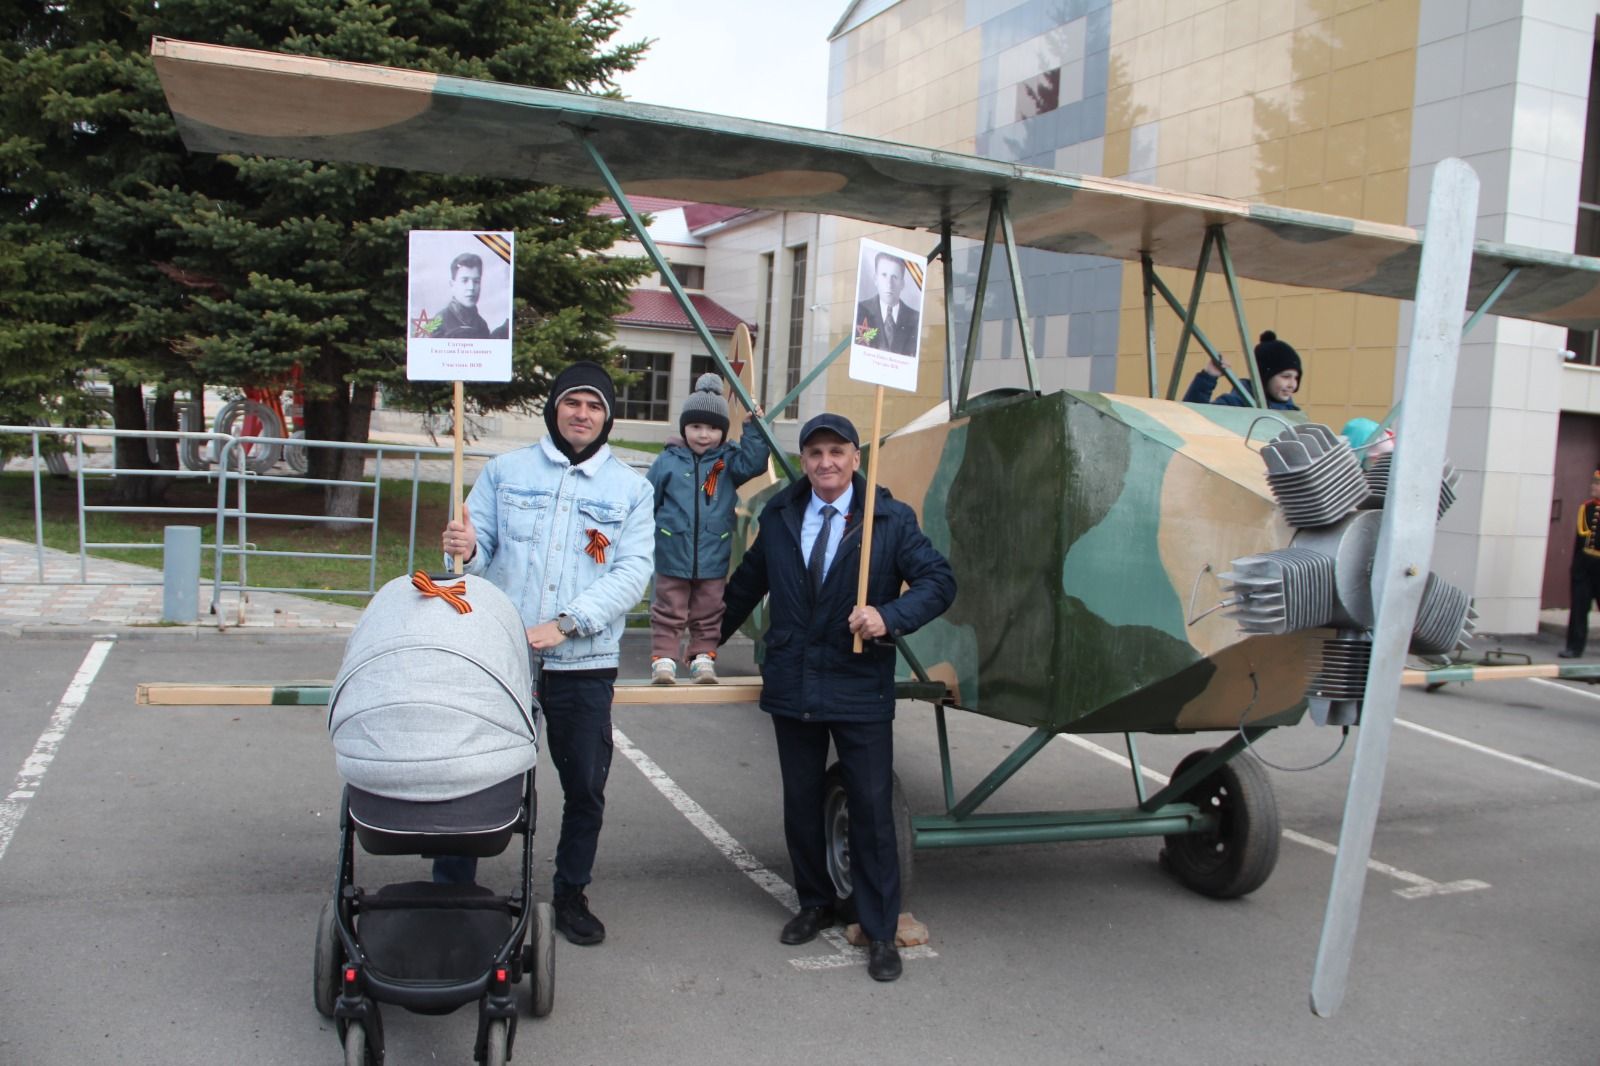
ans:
x=1039 y=94
x=704 y=364
x=797 y=322
x=766 y=330
x=689 y=276
x=1585 y=345
x=646 y=399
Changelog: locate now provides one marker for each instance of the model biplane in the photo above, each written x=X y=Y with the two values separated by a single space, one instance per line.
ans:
x=1091 y=623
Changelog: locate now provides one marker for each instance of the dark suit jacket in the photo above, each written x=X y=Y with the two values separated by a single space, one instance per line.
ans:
x=902 y=340
x=459 y=321
x=810 y=671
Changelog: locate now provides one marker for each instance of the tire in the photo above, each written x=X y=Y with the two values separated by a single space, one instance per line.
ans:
x=325 y=966
x=541 y=961
x=494 y=1044
x=297 y=456
x=355 y=1045
x=1238 y=856
x=193 y=452
x=55 y=463
x=258 y=457
x=836 y=838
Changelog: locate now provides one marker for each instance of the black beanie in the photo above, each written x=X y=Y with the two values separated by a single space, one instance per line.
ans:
x=1273 y=357
x=587 y=376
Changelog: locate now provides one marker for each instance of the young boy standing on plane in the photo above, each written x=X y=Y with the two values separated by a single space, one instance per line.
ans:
x=694 y=481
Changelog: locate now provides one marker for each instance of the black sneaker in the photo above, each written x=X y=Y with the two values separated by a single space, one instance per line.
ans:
x=576 y=922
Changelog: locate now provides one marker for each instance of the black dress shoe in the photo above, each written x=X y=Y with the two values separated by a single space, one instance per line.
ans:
x=883 y=960
x=806 y=925
x=1568 y=653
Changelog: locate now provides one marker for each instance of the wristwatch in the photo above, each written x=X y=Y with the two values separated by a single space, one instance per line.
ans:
x=566 y=625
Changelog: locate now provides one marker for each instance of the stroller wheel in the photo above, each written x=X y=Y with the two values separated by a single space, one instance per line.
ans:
x=325 y=968
x=540 y=960
x=494 y=1046
x=355 y=1046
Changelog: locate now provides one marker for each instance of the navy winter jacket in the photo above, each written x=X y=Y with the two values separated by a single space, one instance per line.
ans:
x=694 y=533
x=1201 y=387
x=810 y=671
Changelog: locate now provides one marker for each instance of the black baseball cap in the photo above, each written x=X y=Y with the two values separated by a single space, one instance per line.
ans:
x=838 y=425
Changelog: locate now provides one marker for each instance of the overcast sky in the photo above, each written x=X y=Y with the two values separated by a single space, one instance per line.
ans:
x=762 y=59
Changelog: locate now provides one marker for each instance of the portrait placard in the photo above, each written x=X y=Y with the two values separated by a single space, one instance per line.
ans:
x=458 y=306
x=886 y=334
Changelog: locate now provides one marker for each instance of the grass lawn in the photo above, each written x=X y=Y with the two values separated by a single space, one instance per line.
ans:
x=60 y=506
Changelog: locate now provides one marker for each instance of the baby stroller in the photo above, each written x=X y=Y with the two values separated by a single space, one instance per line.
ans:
x=433 y=724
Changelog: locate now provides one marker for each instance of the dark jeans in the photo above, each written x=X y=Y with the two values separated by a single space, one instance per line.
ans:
x=577 y=738
x=866 y=757
x=1585 y=591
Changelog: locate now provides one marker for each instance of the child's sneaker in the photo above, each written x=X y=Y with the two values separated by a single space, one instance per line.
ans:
x=703 y=670
x=663 y=672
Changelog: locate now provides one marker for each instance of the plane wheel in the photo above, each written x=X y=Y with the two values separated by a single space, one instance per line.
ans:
x=1238 y=856
x=836 y=833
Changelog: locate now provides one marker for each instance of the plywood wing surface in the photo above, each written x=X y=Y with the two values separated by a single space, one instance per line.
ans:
x=252 y=102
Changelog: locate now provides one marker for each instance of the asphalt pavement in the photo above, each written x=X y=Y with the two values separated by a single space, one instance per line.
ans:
x=161 y=870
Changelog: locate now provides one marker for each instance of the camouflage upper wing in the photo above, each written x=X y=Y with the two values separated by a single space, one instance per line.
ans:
x=239 y=100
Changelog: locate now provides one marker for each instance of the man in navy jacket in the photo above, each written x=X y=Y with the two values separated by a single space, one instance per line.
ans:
x=807 y=556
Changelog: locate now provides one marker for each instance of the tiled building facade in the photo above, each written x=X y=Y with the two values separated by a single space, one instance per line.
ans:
x=1340 y=106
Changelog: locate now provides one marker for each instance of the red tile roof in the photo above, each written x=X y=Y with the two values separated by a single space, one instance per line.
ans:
x=645 y=205
x=697 y=216
x=658 y=309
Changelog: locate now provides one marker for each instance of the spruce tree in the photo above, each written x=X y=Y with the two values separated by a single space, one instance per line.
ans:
x=188 y=268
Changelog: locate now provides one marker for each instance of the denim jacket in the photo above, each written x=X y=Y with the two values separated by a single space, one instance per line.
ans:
x=537 y=518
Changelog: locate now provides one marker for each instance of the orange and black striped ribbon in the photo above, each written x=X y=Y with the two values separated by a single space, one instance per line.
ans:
x=497 y=244
x=598 y=543
x=711 y=479
x=454 y=595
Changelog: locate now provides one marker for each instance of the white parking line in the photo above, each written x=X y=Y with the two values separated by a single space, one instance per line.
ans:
x=1419 y=887
x=748 y=864
x=15 y=805
x=1587 y=690
x=1493 y=753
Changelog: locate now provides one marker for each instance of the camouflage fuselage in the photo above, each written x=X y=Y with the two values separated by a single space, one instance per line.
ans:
x=1087 y=532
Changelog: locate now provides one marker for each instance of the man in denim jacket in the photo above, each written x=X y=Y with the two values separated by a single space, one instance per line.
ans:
x=567 y=530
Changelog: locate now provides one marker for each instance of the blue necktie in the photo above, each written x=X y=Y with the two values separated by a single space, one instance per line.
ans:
x=819 y=548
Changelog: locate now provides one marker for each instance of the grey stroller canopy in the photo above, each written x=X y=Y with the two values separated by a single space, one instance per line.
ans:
x=431 y=703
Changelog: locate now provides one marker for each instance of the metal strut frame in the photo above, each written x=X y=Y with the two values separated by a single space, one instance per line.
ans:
x=1216 y=237
x=999 y=223
x=962 y=826
x=712 y=348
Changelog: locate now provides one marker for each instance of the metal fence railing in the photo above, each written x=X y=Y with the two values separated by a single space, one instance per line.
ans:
x=232 y=517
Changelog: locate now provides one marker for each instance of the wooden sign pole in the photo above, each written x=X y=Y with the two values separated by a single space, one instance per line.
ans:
x=457 y=563
x=872 y=499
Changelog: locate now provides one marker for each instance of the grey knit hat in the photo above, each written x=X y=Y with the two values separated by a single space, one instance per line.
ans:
x=705 y=405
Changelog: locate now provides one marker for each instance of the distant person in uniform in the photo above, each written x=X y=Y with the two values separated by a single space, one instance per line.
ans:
x=461 y=317
x=1280 y=369
x=1585 y=571
x=888 y=322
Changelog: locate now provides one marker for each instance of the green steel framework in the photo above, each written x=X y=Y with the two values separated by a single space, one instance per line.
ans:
x=961 y=825
x=1162 y=814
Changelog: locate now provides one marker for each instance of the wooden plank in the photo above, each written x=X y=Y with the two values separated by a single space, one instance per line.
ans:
x=230 y=694
x=727 y=690
x=315 y=693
